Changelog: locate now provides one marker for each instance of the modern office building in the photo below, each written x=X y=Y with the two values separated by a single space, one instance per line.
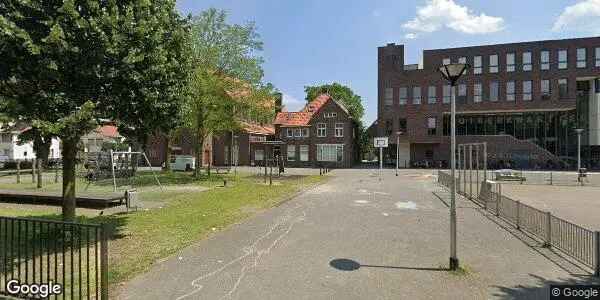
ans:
x=524 y=99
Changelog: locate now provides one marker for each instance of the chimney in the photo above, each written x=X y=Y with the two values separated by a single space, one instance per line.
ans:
x=278 y=102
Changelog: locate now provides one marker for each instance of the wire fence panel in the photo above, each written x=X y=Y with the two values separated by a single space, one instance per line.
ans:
x=72 y=255
x=574 y=240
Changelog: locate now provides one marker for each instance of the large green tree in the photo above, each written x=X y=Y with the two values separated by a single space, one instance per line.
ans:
x=352 y=101
x=68 y=63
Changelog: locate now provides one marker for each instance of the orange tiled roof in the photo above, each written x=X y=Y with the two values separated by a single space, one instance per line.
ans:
x=257 y=128
x=108 y=131
x=301 y=118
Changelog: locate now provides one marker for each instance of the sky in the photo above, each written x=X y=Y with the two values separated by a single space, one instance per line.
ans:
x=311 y=42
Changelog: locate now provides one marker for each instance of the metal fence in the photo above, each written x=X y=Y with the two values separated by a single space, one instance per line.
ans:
x=73 y=255
x=553 y=178
x=575 y=241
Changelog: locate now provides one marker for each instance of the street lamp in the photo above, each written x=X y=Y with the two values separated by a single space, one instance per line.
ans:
x=398 y=134
x=452 y=72
x=579 y=132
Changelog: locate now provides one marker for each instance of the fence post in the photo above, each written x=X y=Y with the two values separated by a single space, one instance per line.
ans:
x=104 y=262
x=33 y=170
x=498 y=199
x=548 y=242
x=56 y=173
x=551 y=179
x=18 y=171
x=518 y=215
x=597 y=252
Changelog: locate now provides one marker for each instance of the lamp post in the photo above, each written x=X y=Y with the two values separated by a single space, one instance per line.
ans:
x=398 y=134
x=237 y=152
x=452 y=73
x=579 y=132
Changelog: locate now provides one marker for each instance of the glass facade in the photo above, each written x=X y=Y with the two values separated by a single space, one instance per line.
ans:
x=552 y=130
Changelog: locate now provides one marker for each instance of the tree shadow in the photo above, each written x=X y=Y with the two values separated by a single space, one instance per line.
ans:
x=344 y=264
x=541 y=288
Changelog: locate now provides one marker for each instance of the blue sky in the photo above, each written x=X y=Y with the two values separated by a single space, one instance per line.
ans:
x=312 y=42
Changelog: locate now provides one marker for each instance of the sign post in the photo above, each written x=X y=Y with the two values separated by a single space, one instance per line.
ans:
x=381 y=142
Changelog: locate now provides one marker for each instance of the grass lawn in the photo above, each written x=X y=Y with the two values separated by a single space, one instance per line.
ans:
x=141 y=238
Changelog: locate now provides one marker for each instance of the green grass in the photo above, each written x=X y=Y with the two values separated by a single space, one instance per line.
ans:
x=139 y=239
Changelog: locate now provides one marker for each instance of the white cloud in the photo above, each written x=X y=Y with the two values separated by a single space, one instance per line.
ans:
x=410 y=36
x=581 y=17
x=291 y=103
x=445 y=13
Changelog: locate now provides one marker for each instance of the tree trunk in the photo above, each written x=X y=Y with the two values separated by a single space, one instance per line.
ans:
x=40 y=173
x=199 y=147
x=69 y=154
x=167 y=152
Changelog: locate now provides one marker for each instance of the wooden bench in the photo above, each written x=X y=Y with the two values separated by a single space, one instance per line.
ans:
x=32 y=197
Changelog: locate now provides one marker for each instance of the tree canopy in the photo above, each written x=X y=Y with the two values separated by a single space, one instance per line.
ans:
x=341 y=93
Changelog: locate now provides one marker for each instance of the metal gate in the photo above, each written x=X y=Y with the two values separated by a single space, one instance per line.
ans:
x=64 y=260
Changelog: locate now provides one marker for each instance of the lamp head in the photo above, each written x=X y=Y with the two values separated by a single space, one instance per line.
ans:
x=453 y=72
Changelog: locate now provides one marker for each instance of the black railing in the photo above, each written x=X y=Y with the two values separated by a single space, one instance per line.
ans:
x=72 y=256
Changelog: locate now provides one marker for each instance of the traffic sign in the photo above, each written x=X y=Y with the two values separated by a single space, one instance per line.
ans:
x=381 y=142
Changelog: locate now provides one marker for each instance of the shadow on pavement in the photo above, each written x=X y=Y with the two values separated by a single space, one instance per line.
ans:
x=344 y=264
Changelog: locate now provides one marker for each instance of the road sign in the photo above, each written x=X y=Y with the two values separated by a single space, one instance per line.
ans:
x=381 y=142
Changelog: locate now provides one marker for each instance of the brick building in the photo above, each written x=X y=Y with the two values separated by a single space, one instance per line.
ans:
x=247 y=144
x=322 y=134
x=524 y=99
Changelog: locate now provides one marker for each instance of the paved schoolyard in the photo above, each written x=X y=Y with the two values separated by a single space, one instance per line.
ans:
x=391 y=231
x=577 y=204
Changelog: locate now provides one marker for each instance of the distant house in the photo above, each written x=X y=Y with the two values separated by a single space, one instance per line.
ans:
x=183 y=144
x=247 y=143
x=322 y=134
x=10 y=149
x=93 y=141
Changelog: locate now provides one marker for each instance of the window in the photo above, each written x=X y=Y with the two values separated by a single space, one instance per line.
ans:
x=581 y=58
x=494 y=91
x=545 y=89
x=25 y=154
x=545 y=60
x=291 y=152
x=526 y=61
x=297 y=132
x=598 y=57
x=445 y=61
x=447 y=93
x=416 y=95
x=563 y=88
x=562 y=59
x=303 y=152
x=330 y=115
x=321 y=129
x=259 y=154
x=510 y=91
x=290 y=132
x=389 y=97
x=477 y=65
x=462 y=93
x=494 y=63
x=510 y=62
x=527 y=90
x=388 y=127
x=463 y=60
x=477 y=92
x=339 y=129
x=402 y=125
x=431 y=98
x=431 y=126
x=403 y=95
x=330 y=152
x=305 y=132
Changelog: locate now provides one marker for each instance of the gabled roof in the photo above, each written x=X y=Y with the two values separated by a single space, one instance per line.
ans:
x=303 y=117
x=108 y=131
x=254 y=128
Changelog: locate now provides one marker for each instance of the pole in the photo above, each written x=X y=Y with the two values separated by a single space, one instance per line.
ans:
x=397 y=152
x=18 y=171
x=380 y=161
x=578 y=150
x=453 y=257
x=112 y=169
x=485 y=161
x=471 y=171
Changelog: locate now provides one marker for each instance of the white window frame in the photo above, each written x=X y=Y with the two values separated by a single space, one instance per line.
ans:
x=321 y=130
x=431 y=94
x=462 y=90
x=297 y=132
x=463 y=60
x=416 y=95
x=477 y=64
x=581 y=58
x=293 y=151
x=527 y=61
x=388 y=98
x=446 y=61
x=527 y=90
x=563 y=81
x=330 y=115
x=257 y=156
x=597 y=56
x=477 y=92
x=403 y=95
x=510 y=62
x=510 y=90
x=545 y=88
x=494 y=63
x=545 y=60
x=305 y=132
x=447 y=94
x=339 y=129
x=494 y=91
x=304 y=152
x=330 y=152
x=290 y=132
x=563 y=62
